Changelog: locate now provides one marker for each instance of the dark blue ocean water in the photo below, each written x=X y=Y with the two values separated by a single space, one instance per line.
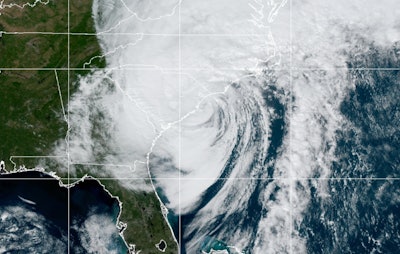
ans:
x=361 y=211
x=363 y=216
x=34 y=216
x=248 y=217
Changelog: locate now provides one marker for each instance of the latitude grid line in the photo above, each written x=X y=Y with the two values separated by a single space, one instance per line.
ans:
x=217 y=179
x=160 y=68
x=145 y=34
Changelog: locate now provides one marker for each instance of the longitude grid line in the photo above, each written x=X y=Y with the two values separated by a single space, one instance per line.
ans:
x=290 y=132
x=68 y=129
x=179 y=126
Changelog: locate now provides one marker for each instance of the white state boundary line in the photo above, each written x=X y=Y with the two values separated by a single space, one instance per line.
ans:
x=29 y=157
x=104 y=165
x=61 y=99
x=21 y=6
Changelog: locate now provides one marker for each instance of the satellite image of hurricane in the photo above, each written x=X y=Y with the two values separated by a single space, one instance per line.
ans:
x=261 y=126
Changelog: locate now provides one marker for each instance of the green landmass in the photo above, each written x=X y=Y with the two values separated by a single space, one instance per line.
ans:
x=44 y=17
x=31 y=113
x=142 y=212
x=33 y=51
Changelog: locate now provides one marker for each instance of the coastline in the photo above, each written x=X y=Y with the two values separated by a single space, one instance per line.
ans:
x=43 y=175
